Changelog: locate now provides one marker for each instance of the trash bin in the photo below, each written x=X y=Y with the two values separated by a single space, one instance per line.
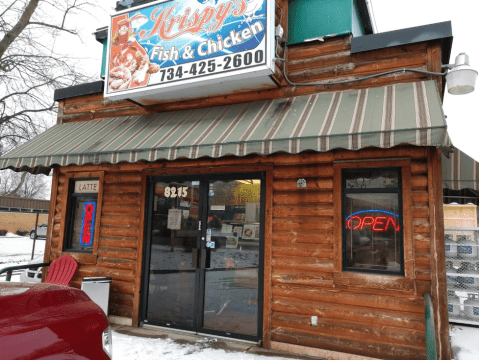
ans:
x=98 y=289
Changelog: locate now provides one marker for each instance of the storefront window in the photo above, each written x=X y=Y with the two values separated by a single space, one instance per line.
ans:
x=82 y=210
x=372 y=221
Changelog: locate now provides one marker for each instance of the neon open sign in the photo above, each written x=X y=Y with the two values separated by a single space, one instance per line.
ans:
x=368 y=219
x=88 y=223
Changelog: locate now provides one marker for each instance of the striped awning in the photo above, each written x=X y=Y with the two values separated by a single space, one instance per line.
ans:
x=381 y=117
x=460 y=171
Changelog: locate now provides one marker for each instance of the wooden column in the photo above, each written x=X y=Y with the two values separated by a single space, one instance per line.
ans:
x=268 y=255
x=51 y=216
x=438 y=255
x=139 y=255
x=434 y=65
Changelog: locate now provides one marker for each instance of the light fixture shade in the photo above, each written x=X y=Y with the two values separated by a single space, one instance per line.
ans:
x=461 y=80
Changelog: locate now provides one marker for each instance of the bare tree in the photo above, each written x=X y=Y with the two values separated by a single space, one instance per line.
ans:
x=24 y=185
x=30 y=65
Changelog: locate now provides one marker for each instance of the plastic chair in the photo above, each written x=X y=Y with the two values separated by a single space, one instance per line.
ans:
x=62 y=271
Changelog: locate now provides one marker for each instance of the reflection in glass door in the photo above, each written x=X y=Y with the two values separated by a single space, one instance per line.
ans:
x=233 y=236
x=173 y=269
x=203 y=261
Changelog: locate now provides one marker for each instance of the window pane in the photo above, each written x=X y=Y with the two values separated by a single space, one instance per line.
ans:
x=373 y=228
x=372 y=179
x=83 y=231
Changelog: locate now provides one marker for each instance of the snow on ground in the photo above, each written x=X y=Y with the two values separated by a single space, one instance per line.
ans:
x=465 y=342
x=126 y=347
x=17 y=250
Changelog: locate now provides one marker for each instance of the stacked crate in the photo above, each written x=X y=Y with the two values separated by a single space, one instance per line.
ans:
x=462 y=262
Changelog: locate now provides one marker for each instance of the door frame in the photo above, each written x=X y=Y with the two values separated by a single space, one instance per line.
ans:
x=203 y=177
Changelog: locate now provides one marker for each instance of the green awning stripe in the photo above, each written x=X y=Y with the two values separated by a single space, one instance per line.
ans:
x=350 y=119
x=460 y=171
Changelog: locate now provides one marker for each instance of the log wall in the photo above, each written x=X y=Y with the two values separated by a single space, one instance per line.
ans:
x=326 y=61
x=370 y=315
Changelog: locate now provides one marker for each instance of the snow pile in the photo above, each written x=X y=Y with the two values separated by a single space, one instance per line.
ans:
x=464 y=342
x=127 y=347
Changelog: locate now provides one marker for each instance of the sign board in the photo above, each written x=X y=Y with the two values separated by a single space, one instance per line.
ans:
x=87 y=187
x=171 y=45
x=88 y=223
x=375 y=220
x=174 y=219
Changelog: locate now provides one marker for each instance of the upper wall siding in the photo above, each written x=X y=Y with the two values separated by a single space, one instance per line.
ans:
x=326 y=61
x=371 y=319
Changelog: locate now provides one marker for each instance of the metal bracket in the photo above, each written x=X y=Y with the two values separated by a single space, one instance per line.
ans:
x=301 y=183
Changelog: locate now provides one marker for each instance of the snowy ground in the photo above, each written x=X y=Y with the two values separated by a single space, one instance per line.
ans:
x=17 y=250
x=465 y=342
x=126 y=347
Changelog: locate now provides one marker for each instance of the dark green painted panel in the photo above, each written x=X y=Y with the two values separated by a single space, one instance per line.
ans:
x=103 y=60
x=312 y=18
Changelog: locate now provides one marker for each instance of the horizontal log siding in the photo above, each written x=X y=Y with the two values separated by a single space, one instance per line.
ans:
x=367 y=317
x=118 y=241
x=326 y=61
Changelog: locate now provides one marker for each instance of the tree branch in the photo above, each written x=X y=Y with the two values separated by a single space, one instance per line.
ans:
x=53 y=26
x=10 y=37
x=15 y=191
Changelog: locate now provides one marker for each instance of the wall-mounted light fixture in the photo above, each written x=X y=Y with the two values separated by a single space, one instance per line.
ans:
x=461 y=78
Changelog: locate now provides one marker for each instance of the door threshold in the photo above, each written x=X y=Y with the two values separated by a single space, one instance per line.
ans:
x=256 y=343
x=193 y=333
x=158 y=327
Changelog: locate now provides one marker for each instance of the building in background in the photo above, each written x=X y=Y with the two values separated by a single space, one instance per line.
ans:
x=19 y=214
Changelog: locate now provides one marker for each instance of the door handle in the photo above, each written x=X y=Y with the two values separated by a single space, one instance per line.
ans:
x=205 y=258
x=194 y=254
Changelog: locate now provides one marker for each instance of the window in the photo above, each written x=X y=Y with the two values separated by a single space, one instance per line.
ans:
x=81 y=215
x=372 y=220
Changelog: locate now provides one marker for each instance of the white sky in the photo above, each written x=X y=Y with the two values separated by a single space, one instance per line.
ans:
x=461 y=110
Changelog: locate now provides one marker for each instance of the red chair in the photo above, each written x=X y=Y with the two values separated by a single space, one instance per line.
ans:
x=62 y=270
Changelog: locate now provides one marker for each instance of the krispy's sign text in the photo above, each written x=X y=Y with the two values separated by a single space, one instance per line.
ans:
x=168 y=27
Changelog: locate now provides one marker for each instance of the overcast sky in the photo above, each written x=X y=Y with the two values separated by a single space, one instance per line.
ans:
x=461 y=110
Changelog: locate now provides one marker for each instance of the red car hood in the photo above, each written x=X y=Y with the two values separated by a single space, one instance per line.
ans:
x=49 y=322
x=23 y=302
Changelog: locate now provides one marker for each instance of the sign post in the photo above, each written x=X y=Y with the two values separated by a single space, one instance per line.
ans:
x=35 y=235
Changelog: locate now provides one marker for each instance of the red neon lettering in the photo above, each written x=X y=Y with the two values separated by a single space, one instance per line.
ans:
x=89 y=208
x=364 y=223
x=393 y=223
x=349 y=222
x=377 y=223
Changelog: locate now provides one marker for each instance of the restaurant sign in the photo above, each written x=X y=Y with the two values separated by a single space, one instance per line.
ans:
x=375 y=220
x=170 y=45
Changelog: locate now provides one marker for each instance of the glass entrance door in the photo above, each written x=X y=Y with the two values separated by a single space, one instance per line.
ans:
x=203 y=263
x=173 y=272
x=233 y=236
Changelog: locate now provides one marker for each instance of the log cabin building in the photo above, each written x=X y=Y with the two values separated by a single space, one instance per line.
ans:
x=301 y=209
